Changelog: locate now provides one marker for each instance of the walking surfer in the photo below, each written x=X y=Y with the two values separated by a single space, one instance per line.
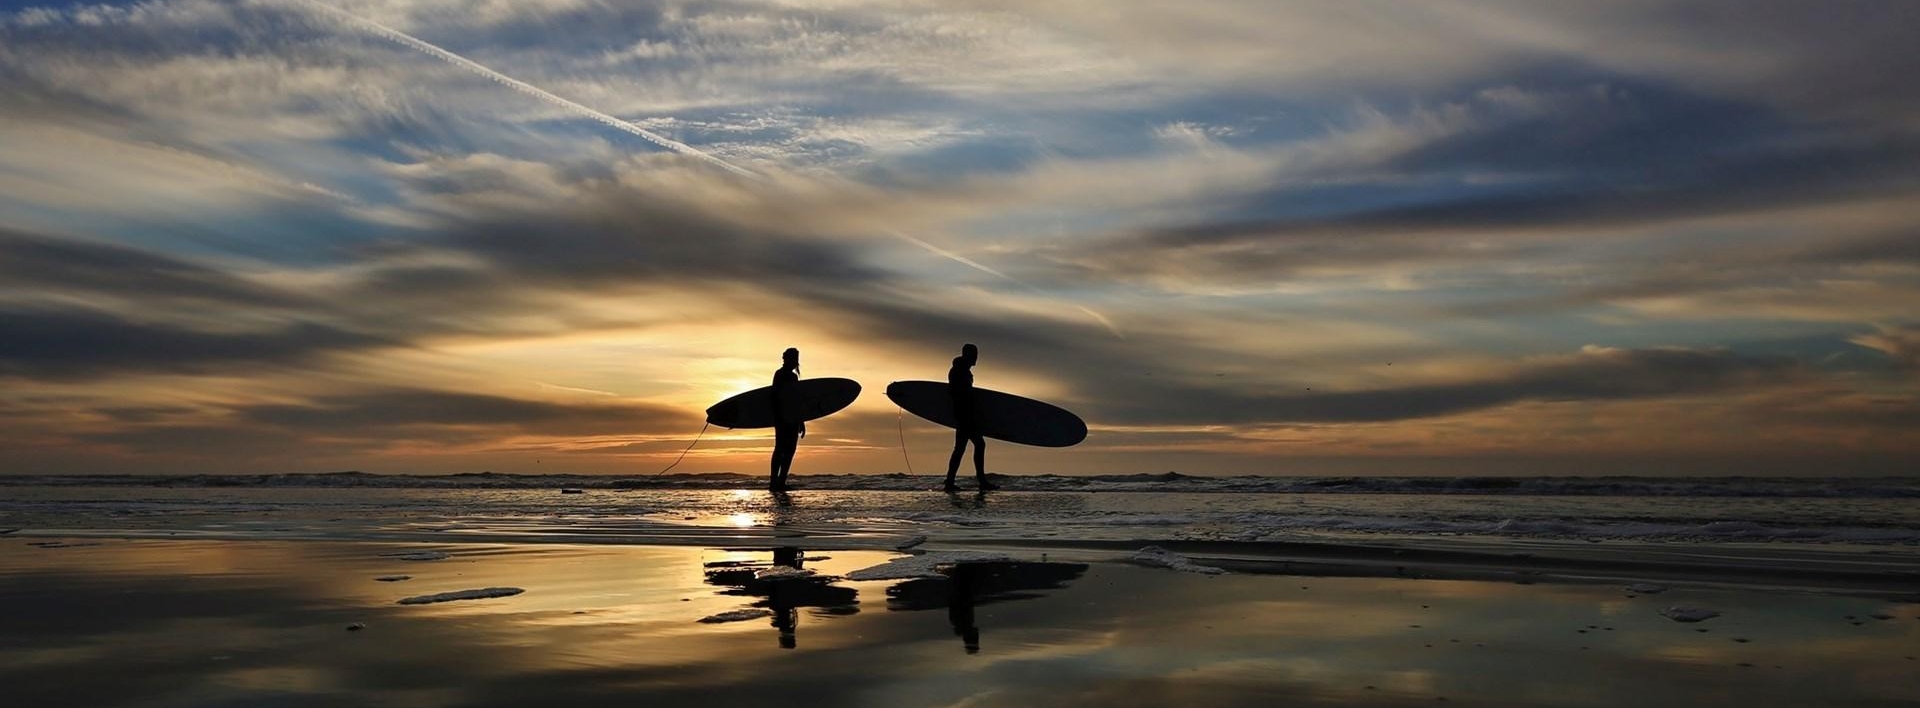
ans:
x=966 y=419
x=788 y=428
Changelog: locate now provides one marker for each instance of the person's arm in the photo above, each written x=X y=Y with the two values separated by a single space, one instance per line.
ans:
x=781 y=413
x=779 y=398
x=960 y=390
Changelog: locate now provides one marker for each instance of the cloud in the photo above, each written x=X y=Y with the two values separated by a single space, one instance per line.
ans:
x=1901 y=344
x=1776 y=51
x=37 y=264
x=1594 y=374
x=1486 y=182
x=615 y=239
x=392 y=421
x=71 y=343
x=403 y=412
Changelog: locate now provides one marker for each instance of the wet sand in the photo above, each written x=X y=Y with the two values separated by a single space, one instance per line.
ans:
x=220 y=622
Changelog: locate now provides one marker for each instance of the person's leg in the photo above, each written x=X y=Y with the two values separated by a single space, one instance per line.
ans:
x=959 y=448
x=784 y=445
x=980 y=463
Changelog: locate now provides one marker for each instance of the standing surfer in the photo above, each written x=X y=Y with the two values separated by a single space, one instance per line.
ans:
x=966 y=419
x=788 y=428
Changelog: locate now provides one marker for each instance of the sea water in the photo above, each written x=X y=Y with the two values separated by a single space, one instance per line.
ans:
x=1870 y=512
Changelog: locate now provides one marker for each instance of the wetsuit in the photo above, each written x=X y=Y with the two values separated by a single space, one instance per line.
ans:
x=966 y=421
x=786 y=428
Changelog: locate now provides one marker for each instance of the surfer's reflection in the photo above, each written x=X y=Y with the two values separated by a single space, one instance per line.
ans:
x=965 y=586
x=960 y=606
x=785 y=586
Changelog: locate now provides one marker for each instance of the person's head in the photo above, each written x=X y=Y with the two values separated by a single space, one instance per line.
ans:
x=970 y=353
x=790 y=357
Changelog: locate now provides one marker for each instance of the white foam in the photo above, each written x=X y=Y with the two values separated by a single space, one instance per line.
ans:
x=1157 y=557
x=1053 y=508
x=476 y=594
x=738 y=615
x=422 y=556
x=1264 y=523
x=781 y=572
x=1682 y=613
x=925 y=565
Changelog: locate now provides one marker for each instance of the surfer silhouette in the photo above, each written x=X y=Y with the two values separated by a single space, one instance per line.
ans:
x=788 y=428
x=966 y=419
x=960 y=606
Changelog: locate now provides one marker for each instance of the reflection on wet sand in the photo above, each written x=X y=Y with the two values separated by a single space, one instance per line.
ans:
x=261 y=623
x=785 y=586
x=967 y=585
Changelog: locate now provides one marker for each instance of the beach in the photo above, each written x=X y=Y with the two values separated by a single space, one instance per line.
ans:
x=221 y=597
x=549 y=353
x=147 y=622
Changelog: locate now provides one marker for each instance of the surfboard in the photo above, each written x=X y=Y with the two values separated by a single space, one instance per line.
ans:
x=1003 y=416
x=813 y=398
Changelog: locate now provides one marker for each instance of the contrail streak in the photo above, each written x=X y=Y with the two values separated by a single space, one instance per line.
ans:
x=435 y=51
x=950 y=255
x=936 y=250
x=430 y=49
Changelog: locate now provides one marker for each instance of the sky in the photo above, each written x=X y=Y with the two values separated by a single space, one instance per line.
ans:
x=1337 y=237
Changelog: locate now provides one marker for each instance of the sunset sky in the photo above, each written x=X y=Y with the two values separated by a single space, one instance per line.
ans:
x=1275 y=237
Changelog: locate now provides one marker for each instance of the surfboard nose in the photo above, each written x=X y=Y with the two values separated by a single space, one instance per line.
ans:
x=1002 y=416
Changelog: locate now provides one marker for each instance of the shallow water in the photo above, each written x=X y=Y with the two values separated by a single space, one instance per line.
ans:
x=1058 y=515
x=264 y=622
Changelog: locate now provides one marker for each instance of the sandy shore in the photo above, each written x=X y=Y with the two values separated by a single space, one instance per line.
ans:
x=114 y=622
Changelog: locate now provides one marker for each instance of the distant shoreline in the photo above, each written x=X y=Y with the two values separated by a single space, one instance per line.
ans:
x=1636 y=486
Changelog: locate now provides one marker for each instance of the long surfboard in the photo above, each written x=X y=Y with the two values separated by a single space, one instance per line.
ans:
x=1003 y=416
x=812 y=398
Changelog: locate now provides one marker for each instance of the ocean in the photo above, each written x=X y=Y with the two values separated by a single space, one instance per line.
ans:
x=1145 y=508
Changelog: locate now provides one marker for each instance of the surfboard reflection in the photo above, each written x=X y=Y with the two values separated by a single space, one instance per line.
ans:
x=784 y=586
x=966 y=586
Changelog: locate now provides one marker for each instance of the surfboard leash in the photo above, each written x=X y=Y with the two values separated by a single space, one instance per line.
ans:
x=899 y=422
x=683 y=453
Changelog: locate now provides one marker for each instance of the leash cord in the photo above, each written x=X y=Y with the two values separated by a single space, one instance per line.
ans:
x=899 y=421
x=683 y=453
